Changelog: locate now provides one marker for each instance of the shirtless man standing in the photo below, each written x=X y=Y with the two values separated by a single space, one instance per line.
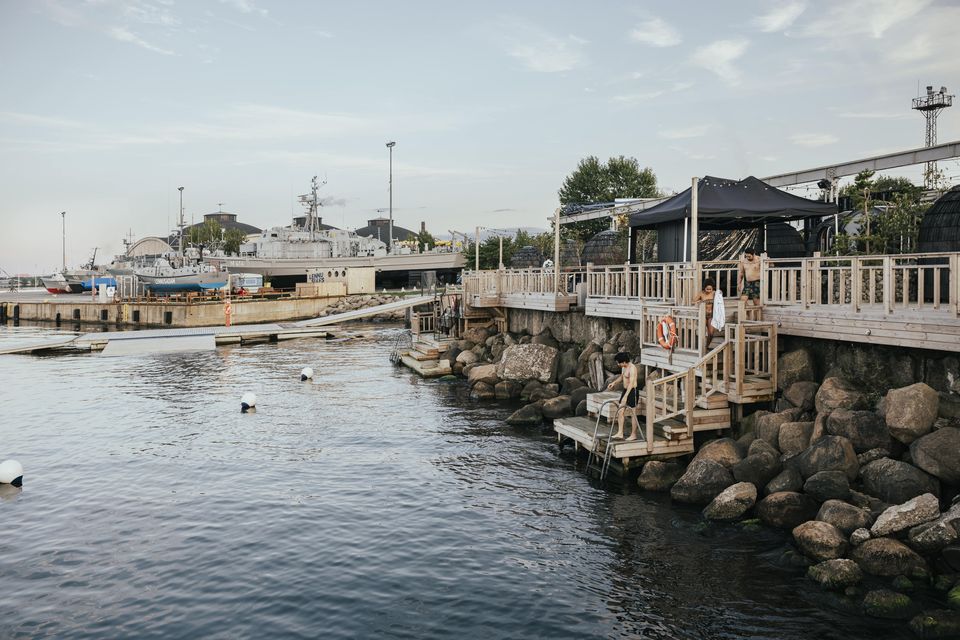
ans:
x=628 y=399
x=748 y=273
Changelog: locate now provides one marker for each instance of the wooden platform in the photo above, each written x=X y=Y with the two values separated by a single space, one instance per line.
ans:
x=426 y=368
x=630 y=453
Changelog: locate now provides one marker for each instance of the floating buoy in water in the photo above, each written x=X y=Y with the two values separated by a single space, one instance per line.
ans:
x=11 y=472
x=248 y=402
x=306 y=374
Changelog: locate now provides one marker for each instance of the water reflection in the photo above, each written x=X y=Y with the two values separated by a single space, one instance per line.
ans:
x=9 y=493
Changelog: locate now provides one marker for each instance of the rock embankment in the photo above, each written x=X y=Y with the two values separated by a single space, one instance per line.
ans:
x=865 y=486
x=355 y=303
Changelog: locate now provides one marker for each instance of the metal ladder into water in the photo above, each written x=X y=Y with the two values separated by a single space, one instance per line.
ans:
x=608 y=449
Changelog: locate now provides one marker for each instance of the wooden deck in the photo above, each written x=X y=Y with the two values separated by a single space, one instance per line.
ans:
x=629 y=453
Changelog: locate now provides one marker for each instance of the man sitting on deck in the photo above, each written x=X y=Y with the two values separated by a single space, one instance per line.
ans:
x=628 y=399
x=749 y=274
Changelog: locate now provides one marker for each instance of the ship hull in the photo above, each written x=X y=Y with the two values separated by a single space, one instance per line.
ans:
x=274 y=267
x=184 y=284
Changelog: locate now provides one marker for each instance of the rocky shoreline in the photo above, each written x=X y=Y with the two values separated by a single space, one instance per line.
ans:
x=357 y=302
x=867 y=485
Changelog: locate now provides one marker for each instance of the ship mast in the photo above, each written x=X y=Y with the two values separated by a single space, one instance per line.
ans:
x=63 y=215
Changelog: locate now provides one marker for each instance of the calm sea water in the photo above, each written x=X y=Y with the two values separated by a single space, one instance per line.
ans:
x=367 y=503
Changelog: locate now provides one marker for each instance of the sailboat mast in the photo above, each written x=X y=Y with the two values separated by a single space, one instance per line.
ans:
x=63 y=215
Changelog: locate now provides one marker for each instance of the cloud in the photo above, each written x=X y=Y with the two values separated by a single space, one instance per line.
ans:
x=245 y=6
x=687 y=132
x=38 y=120
x=780 y=17
x=846 y=20
x=657 y=33
x=540 y=50
x=719 y=57
x=875 y=115
x=813 y=139
x=124 y=35
x=640 y=97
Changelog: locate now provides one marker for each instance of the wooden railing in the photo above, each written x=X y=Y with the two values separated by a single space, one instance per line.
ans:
x=754 y=355
x=512 y=281
x=918 y=282
x=423 y=322
x=676 y=395
x=669 y=282
x=690 y=321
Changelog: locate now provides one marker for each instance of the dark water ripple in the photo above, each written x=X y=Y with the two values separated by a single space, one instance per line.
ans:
x=365 y=503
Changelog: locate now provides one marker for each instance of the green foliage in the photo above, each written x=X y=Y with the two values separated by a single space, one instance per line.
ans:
x=490 y=248
x=425 y=240
x=892 y=230
x=207 y=236
x=232 y=239
x=593 y=181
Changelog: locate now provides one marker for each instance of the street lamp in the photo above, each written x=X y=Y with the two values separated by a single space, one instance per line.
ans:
x=180 y=189
x=390 y=146
x=63 y=214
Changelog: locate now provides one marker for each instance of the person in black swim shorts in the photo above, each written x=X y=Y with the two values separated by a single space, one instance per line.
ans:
x=628 y=399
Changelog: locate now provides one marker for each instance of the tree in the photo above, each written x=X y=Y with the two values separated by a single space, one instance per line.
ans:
x=895 y=224
x=208 y=235
x=426 y=240
x=595 y=182
x=232 y=239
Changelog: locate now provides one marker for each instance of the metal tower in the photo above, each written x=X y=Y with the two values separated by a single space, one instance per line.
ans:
x=931 y=105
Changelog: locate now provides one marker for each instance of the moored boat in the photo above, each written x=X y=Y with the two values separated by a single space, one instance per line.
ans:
x=163 y=278
x=56 y=283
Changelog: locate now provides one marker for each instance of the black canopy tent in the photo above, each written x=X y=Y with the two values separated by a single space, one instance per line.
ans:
x=722 y=204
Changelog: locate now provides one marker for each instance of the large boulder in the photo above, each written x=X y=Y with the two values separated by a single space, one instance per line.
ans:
x=732 y=502
x=523 y=362
x=937 y=623
x=845 y=517
x=787 y=480
x=888 y=557
x=578 y=395
x=864 y=429
x=507 y=390
x=571 y=384
x=476 y=335
x=757 y=468
x=802 y=394
x=483 y=391
x=933 y=536
x=529 y=388
x=702 y=482
x=911 y=411
x=767 y=427
x=827 y=485
x=545 y=392
x=830 y=453
x=545 y=337
x=466 y=357
x=794 y=437
x=527 y=416
x=895 y=481
x=820 y=540
x=938 y=454
x=836 y=574
x=567 y=364
x=659 y=475
x=629 y=341
x=583 y=361
x=483 y=373
x=837 y=393
x=723 y=450
x=558 y=407
x=884 y=603
x=786 y=509
x=907 y=515
x=794 y=366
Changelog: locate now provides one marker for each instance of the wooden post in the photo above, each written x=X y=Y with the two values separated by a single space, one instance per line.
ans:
x=739 y=355
x=888 y=288
x=694 y=223
x=954 y=280
x=650 y=410
x=689 y=399
x=556 y=251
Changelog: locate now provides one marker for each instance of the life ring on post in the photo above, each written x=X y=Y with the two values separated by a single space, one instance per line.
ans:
x=667 y=332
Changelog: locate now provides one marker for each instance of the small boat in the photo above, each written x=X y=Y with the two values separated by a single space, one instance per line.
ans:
x=163 y=278
x=56 y=283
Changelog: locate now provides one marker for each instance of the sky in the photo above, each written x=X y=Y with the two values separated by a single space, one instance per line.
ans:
x=108 y=106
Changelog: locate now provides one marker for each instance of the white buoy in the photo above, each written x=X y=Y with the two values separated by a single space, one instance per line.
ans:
x=11 y=472
x=306 y=374
x=248 y=402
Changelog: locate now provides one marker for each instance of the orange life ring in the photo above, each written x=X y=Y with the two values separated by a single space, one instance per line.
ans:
x=667 y=332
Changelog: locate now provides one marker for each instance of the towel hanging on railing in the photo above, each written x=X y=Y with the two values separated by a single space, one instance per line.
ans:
x=719 y=318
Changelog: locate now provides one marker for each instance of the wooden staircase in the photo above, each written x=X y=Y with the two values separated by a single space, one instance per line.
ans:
x=740 y=370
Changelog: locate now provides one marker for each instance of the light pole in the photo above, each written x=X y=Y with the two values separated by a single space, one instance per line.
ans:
x=63 y=215
x=390 y=146
x=180 y=189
